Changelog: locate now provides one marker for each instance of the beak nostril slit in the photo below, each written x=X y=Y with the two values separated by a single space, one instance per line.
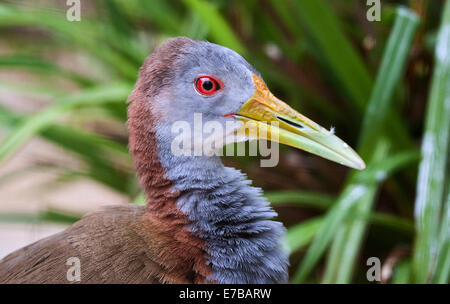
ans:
x=296 y=125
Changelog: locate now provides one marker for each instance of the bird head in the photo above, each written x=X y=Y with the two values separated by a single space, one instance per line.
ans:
x=184 y=77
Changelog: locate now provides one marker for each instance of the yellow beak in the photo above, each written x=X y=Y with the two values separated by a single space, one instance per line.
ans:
x=266 y=117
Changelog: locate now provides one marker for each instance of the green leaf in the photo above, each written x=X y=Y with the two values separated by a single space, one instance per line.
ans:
x=431 y=182
x=34 y=124
x=361 y=190
x=139 y=199
x=301 y=198
x=326 y=30
x=442 y=275
x=50 y=215
x=392 y=67
x=348 y=69
x=87 y=34
x=332 y=221
x=402 y=273
x=340 y=266
x=301 y=234
x=42 y=66
x=218 y=27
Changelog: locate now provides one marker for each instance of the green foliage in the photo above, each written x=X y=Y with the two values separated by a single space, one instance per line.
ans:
x=432 y=203
x=317 y=56
x=340 y=267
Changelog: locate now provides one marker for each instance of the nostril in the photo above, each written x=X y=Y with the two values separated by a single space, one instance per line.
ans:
x=296 y=125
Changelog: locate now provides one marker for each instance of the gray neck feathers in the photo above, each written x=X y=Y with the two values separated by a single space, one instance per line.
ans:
x=231 y=217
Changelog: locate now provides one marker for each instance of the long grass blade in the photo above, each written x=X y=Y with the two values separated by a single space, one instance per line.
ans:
x=87 y=35
x=34 y=124
x=432 y=170
x=42 y=66
x=392 y=67
x=300 y=198
x=218 y=27
x=442 y=275
x=301 y=234
x=334 y=217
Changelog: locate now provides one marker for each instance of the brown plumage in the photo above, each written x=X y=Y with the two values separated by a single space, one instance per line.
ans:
x=128 y=244
x=114 y=245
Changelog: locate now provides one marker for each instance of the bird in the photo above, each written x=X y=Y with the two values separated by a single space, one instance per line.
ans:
x=203 y=222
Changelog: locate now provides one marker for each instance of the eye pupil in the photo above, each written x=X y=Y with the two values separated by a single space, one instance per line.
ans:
x=207 y=85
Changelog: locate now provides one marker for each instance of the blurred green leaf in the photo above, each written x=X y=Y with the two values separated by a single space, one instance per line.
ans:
x=87 y=34
x=301 y=198
x=354 y=193
x=391 y=70
x=433 y=171
x=325 y=28
x=340 y=269
x=42 y=66
x=332 y=220
x=50 y=215
x=140 y=199
x=32 y=125
x=301 y=234
x=218 y=27
x=443 y=264
x=402 y=273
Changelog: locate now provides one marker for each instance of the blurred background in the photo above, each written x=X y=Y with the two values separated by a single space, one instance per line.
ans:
x=384 y=86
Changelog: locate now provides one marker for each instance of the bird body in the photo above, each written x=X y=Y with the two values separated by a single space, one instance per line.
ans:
x=203 y=222
x=114 y=245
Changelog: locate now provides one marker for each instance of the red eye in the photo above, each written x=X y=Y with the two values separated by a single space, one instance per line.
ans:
x=207 y=85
